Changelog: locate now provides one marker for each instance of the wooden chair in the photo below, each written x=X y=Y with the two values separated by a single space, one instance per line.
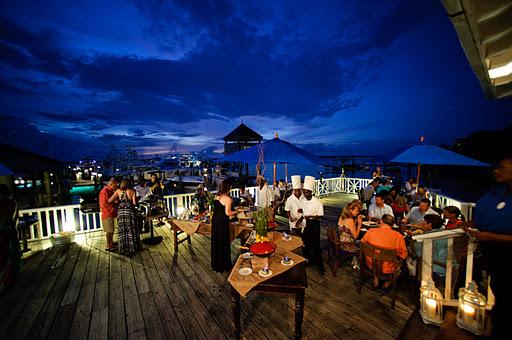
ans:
x=378 y=256
x=334 y=251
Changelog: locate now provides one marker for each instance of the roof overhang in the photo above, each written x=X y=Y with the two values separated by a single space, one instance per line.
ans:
x=485 y=33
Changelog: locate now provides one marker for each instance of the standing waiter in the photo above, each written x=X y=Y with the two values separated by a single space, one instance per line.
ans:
x=313 y=211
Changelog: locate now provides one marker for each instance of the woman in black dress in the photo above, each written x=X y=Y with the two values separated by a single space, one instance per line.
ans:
x=221 y=245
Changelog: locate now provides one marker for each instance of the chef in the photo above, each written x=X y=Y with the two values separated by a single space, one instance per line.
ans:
x=313 y=211
x=265 y=196
x=293 y=207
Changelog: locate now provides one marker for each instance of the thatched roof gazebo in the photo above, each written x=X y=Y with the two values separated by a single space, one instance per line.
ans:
x=242 y=137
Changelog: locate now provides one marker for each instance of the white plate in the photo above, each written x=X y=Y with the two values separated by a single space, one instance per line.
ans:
x=262 y=274
x=287 y=264
x=250 y=225
x=245 y=271
x=247 y=255
x=286 y=239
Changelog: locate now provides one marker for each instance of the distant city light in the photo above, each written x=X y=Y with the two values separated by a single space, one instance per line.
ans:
x=501 y=71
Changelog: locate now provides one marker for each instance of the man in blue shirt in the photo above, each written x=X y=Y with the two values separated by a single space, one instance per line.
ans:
x=493 y=220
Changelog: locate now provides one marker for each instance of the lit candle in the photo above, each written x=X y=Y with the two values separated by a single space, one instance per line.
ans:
x=469 y=311
x=432 y=305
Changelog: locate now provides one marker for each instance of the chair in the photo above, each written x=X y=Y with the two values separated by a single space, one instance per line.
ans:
x=378 y=256
x=334 y=252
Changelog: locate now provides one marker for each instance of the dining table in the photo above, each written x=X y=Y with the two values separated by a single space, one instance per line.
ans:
x=191 y=227
x=286 y=279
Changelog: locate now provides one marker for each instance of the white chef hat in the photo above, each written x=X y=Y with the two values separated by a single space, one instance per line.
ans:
x=309 y=183
x=296 y=182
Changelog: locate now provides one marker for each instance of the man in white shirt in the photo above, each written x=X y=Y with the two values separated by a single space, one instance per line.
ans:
x=313 y=211
x=379 y=208
x=265 y=196
x=415 y=216
x=293 y=207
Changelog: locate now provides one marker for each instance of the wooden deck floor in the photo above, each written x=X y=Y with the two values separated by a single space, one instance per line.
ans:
x=80 y=291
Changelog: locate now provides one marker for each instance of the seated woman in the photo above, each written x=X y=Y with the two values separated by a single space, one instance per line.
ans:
x=452 y=214
x=349 y=226
x=400 y=207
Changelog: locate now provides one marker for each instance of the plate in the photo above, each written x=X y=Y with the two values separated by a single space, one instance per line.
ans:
x=249 y=225
x=245 y=271
x=247 y=255
x=262 y=274
x=284 y=238
x=287 y=264
x=363 y=229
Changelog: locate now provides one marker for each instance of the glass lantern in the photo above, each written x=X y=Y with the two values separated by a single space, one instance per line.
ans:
x=431 y=301
x=471 y=314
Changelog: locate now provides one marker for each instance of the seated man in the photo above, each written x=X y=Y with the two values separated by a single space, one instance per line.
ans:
x=415 y=216
x=379 y=208
x=386 y=237
x=452 y=215
x=142 y=191
x=440 y=246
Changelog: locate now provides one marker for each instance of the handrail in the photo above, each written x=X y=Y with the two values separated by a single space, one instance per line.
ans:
x=53 y=220
x=427 y=256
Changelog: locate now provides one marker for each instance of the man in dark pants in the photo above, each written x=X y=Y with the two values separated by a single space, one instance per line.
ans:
x=313 y=211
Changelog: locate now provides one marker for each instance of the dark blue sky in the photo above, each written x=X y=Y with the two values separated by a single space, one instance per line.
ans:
x=336 y=77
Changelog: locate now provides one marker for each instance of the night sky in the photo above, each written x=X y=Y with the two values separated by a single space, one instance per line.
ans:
x=335 y=77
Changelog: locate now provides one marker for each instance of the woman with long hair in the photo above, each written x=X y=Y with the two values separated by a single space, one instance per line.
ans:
x=349 y=226
x=221 y=245
x=129 y=238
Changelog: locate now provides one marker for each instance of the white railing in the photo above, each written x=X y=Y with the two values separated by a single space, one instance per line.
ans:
x=441 y=201
x=427 y=262
x=53 y=220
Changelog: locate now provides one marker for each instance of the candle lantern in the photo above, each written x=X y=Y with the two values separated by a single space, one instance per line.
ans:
x=431 y=301
x=471 y=314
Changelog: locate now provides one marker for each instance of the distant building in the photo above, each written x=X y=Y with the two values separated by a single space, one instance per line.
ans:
x=241 y=138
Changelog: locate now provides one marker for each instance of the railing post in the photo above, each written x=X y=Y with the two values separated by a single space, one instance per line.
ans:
x=426 y=262
x=449 y=261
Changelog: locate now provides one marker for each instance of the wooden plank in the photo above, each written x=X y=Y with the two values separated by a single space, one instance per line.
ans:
x=81 y=320
x=66 y=311
x=99 y=317
x=17 y=307
x=170 y=321
x=134 y=319
x=42 y=325
x=153 y=325
x=117 y=319
x=24 y=321
x=182 y=309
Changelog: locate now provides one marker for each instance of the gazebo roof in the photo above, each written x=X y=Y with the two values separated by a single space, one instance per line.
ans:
x=243 y=133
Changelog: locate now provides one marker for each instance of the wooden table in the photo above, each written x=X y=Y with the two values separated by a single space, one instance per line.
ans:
x=204 y=229
x=24 y=223
x=291 y=282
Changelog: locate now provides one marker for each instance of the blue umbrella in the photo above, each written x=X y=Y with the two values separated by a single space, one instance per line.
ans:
x=274 y=151
x=433 y=155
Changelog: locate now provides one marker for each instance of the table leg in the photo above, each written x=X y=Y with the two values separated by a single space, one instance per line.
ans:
x=25 y=241
x=175 y=241
x=235 y=297
x=299 y=313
